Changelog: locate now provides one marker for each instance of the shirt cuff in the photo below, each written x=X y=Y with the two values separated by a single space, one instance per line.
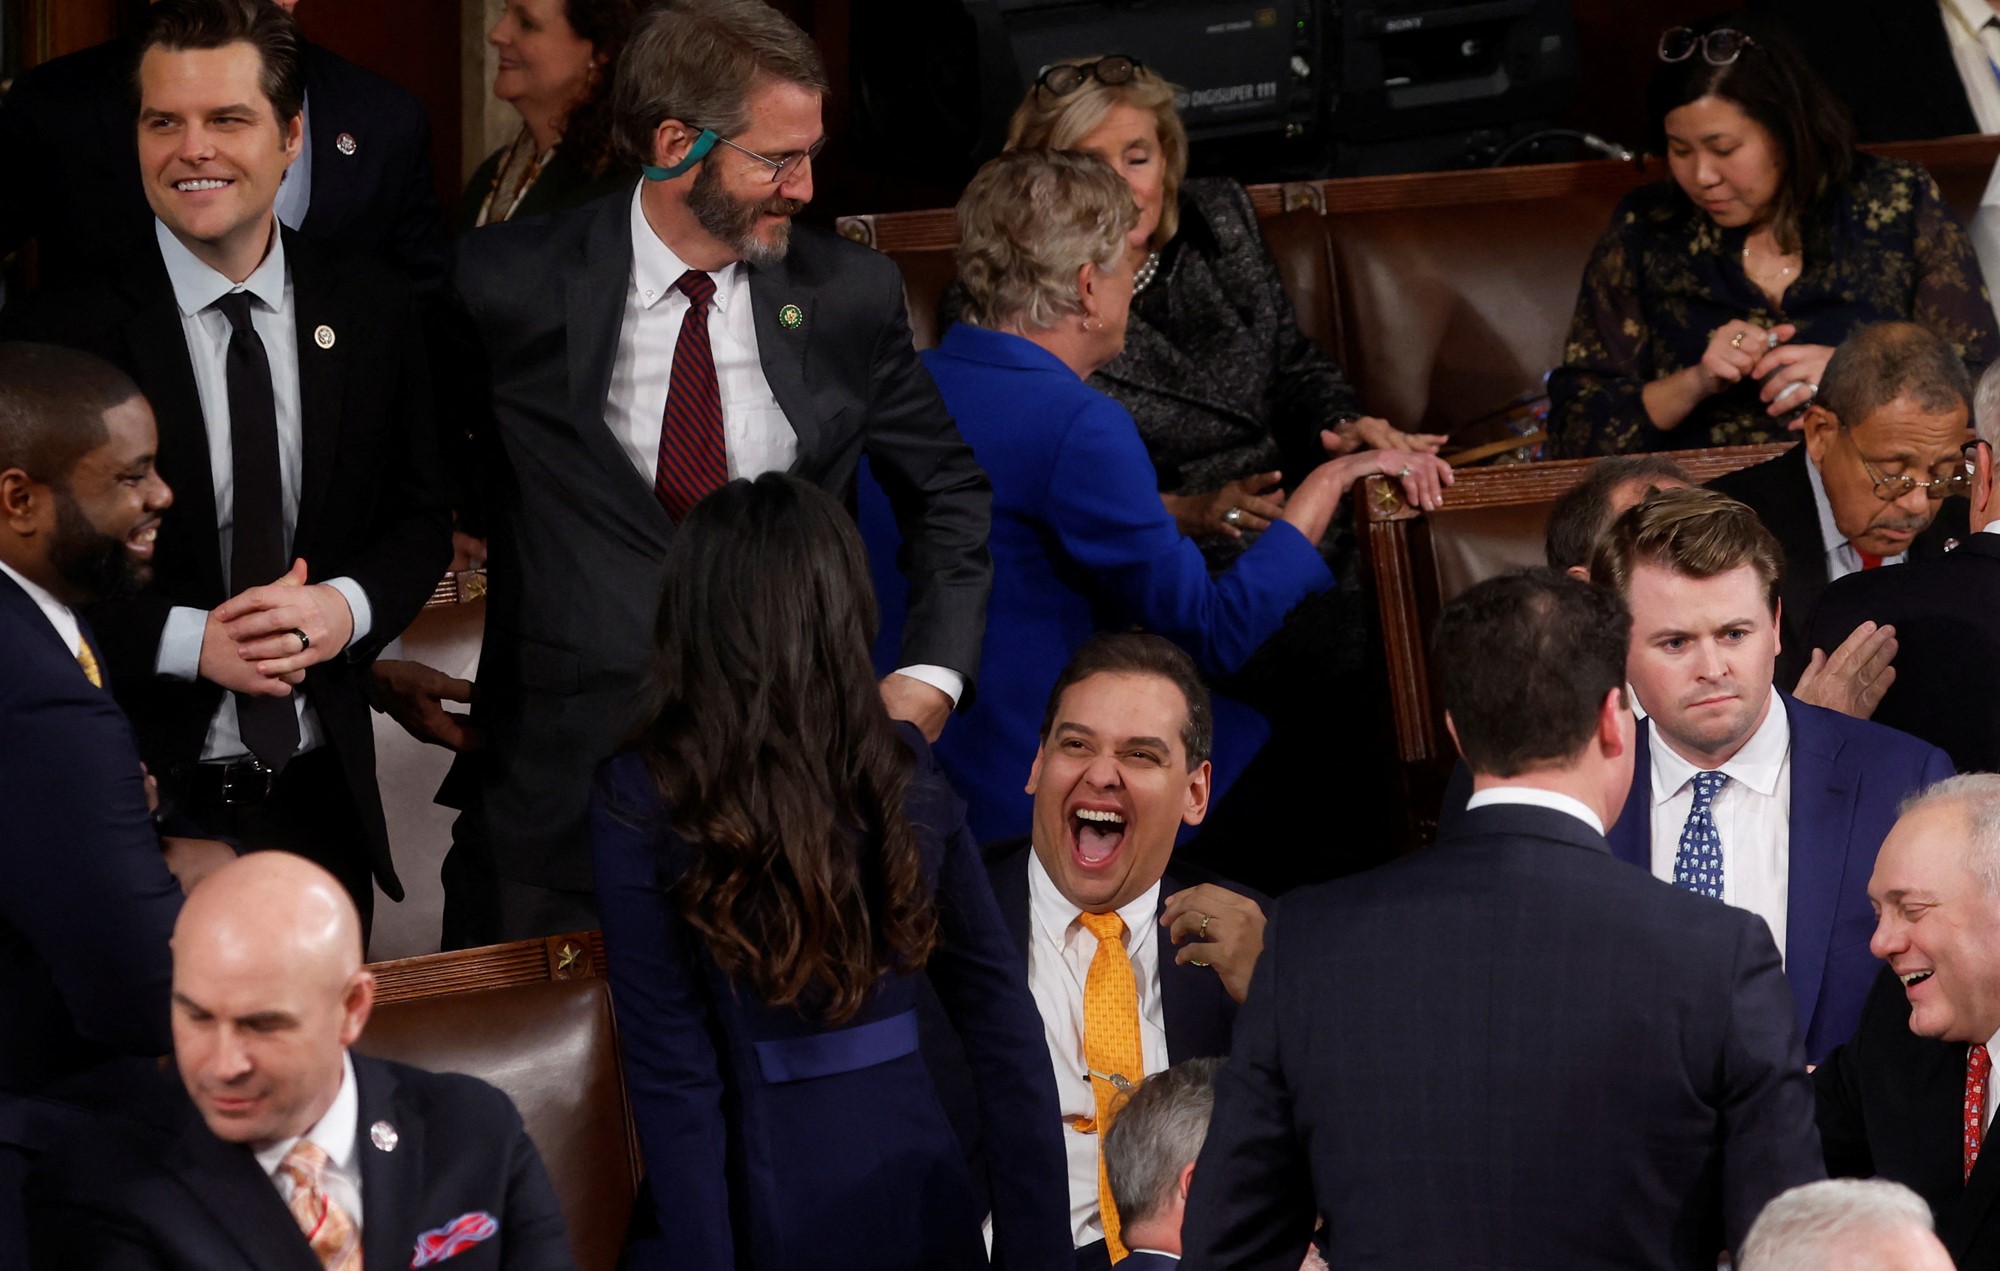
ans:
x=357 y=604
x=179 y=657
x=942 y=678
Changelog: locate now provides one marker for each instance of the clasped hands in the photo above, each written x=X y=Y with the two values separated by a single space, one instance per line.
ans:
x=1790 y=373
x=252 y=642
x=1259 y=499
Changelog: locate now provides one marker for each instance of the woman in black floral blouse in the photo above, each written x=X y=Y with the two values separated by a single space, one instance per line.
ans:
x=1712 y=303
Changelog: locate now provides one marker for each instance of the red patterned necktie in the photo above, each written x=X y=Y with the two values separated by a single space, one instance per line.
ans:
x=1977 y=1064
x=693 y=457
x=1869 y=560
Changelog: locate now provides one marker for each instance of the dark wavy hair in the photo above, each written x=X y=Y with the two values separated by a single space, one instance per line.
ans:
x=771 y=741
x=586 y=132
x=1772 y=83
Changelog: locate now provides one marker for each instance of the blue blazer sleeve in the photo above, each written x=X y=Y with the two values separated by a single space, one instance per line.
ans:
x=982 y=982
x=81 y=874
x=664 y=1018
x=1104 y=504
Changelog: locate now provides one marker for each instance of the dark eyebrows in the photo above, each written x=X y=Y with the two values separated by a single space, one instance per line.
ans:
x=1154 y=743
x=1130 y=743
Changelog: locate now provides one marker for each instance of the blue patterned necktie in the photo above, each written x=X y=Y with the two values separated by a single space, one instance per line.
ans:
x=1698 y=863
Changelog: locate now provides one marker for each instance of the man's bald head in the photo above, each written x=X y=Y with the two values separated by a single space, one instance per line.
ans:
x=269 y=991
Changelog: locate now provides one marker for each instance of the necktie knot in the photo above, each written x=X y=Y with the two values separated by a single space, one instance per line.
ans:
x=1707 y=785
x=305 y=1164
x=236 y=307
x=1104 y=926
x=698 y=287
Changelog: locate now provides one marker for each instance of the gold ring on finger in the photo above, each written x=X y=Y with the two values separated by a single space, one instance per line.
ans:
x=1737 y=342
x=1205 y=920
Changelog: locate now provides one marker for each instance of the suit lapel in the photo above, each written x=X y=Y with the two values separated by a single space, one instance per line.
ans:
x=1195 y=1009
x=1631 y=836
x=241 y=1199
x=391 y=1179
x=328 y=210
x=1821 y=819
x=782 y=350
x=318 y=304
x=1009 y=877
x=594 y=299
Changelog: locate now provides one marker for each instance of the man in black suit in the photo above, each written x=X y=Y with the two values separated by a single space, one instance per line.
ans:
x=1946 y=612
x=1893 y=62
x=294 y=411
x=1911 y=1097
x=1511 y=1049
x=636 y=353
x=362 y=183
x=277 y=1147
x=1869 y=486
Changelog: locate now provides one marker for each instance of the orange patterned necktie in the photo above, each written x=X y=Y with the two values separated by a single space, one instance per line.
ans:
x=87 y=659
x=1110 y=1045
x=328 y=1228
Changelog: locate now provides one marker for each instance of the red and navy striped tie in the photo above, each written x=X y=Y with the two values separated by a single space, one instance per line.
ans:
x=693 y=458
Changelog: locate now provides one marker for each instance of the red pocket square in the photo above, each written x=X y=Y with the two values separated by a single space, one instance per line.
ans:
x=456 y=1236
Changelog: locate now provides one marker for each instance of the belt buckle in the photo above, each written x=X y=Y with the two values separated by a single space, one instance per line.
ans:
x=246 y=782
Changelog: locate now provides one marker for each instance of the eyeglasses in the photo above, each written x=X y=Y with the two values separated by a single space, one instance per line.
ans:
x=1064 y=78
x=782 y=170
x=1889 y=489
x=1719 y=47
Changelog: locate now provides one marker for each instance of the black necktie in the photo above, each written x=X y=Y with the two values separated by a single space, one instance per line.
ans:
x=270 y=725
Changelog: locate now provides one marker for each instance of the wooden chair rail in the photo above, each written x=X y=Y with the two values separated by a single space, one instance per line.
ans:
x=578 y=955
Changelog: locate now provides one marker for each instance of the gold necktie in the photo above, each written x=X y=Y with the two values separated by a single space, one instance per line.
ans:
x=88 y=661
x=328 y=1228
x=1110 y=1045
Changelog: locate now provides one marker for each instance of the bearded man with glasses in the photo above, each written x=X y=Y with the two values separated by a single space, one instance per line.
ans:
x=1872 y=485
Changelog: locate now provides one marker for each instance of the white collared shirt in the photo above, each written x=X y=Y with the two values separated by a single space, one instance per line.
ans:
x=59 y=615
x=1975 y=49
x=1059 y=954
x=1841 y=557
x=196 y=288
x=755 y=433
x=337 y=1135
x=1752 y=814
x=1535 y=797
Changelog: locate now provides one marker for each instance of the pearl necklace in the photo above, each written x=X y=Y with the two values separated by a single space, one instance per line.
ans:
x=1144 y=276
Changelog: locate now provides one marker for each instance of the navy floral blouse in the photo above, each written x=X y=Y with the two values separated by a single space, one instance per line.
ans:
x=1665 y=276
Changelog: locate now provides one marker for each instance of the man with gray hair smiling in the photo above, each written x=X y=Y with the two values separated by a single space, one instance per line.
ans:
x=1911 y=1097
x=1845 y=1224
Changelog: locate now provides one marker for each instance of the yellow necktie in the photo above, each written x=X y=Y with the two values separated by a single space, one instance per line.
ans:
x=88 y=661
x=328 y=1228
x=1110 y=1045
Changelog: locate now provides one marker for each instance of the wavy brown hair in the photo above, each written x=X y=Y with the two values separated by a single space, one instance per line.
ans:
x=587 y=129
x=783 y=769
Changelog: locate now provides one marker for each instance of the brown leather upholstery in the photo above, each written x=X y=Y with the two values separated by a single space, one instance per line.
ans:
x=925 y=276
x=1298 y=242
x=550 y=1044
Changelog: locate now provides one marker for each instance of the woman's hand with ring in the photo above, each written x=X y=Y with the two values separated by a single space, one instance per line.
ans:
x=1257 y=501
x=1733 y=352
x=1791 y=375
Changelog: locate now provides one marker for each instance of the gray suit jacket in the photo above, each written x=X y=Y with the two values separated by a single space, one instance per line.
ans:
x=576 y=536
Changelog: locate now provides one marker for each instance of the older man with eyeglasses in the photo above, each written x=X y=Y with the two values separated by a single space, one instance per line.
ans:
x=1946 y=613
x=1884 y=450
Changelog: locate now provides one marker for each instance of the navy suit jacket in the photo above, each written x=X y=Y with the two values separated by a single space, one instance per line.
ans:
x=1081 y=543
x=161 y=1193
x=86 y=902
x=1148 y=1261
x=1505 y=1051
x=772 y=1140
x=1849 y=776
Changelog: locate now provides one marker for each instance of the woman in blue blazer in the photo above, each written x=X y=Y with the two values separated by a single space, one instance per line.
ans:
x=777 y=864
x=1081 y=542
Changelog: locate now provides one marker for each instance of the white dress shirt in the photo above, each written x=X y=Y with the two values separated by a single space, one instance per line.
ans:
x=757 y=437
x=337 y=1135
x=1059 y=954
x=1841 y=557
x=1533 y=797
x=1752 y=814
x=1970 y=27
x=272 y=314
x=54 y=610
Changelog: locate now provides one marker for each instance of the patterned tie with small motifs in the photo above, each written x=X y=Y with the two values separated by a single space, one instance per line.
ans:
x=328 y=1228
x=1110 y=1045
x=1698 y=863
x=1977 y=1065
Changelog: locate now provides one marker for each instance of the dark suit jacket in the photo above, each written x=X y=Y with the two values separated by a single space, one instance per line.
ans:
x=167 y=1195
x=775 y=1141
x=576 y=536
x=1946 y=612
x=1148 y=1261
x=71 y=119
x=86 y=902
x=1891 y=1105
x=369 y=505
x=1889 y=61
x=1506 y=1051
x=1780 y=492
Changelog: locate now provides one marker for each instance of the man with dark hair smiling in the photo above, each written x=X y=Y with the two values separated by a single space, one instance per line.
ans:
x=1509 y=1050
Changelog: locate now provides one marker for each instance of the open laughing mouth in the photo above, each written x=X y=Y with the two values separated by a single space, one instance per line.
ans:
x=1096 y=834
x=1911 y=979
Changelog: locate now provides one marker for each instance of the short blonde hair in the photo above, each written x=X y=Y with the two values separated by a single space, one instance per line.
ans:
x=1044 y=121
x=1028 y=221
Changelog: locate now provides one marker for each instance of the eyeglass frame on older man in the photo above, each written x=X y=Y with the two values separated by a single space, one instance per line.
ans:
x=1111 y=70
x=1712 y=56
x=1935 y=489
x=782 y=170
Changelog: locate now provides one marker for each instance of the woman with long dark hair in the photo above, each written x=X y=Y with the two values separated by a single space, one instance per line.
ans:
x=777 y=862
x=1712 y=303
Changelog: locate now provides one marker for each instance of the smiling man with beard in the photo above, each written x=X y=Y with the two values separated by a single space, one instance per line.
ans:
x=1744 y=792
x=621 y=360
